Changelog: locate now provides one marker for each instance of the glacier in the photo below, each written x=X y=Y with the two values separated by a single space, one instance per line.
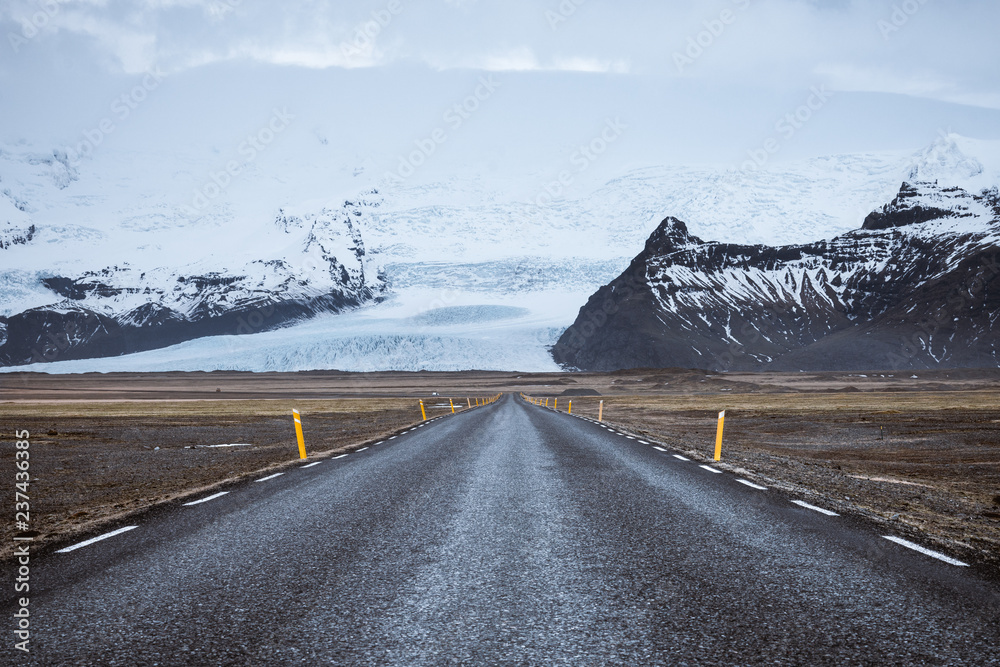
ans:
x=478 y=273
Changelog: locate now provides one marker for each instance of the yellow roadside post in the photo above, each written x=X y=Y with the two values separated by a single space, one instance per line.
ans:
x=600 y=412
x=298 y=433
x=469 y=401
x=452 y=405
x=570 y=407
x=718 y=436
x=556 y=404
x=423 y=413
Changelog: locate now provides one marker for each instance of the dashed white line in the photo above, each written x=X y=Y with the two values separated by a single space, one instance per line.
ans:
x=630 y=437
x=97 y=539
x=394 y=437
x=678 y=456
x=338 y=457
x=310 y=465
x=752 y=485
x=264 y=479
x=378 y=443
x=643 y=442
x=711 y=469
x=205 y=500
x=926 y=552
x=659 y=449
x=802 y=503
x=361 y=450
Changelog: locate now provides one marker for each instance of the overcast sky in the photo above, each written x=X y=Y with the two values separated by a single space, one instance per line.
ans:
x=926 y=48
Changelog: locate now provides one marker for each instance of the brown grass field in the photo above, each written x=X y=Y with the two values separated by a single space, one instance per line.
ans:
x=921 y=454
x=926 y=463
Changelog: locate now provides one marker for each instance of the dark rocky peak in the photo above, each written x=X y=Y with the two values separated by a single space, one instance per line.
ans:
x=918 y=203
x=670 y=235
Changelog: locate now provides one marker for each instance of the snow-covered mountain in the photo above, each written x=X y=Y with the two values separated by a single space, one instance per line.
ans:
x=314 y=263
x=918 y=286
x=470 y=271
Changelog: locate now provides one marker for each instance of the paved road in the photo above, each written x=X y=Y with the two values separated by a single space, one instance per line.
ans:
x=506 y=535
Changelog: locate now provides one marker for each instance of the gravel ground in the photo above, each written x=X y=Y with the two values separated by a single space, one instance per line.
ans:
x=100 y=462
x=931 y=472
x=919 y=453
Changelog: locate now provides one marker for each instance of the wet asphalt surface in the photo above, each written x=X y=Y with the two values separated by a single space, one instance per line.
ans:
x=506 y=535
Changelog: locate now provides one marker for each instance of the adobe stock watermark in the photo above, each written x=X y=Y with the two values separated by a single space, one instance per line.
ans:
x=364 y=35
x=787 y=127
x=32 y=26
x=121 y=108
x=454 y=117
x=582 y=159
x=936 y=321
x=589 y=324
x=766 y=327
x=56 y=343
x=698 y=44
x=900 y=16
x=222 y=8
x=249 y=149
x=22 y=519
x=562 y=13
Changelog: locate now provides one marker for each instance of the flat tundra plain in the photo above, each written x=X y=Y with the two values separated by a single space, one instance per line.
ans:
x=916 y=451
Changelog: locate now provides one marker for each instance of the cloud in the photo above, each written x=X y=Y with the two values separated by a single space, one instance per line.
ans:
x=523 y=59
x=936 y=50
x=520 y=59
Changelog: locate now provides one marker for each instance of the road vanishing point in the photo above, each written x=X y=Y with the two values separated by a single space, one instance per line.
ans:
x=508 y=534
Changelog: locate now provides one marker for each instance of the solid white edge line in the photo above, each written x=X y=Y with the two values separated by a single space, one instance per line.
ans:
x=752 y=485
x=205 y=500
x=310 y=465
x=338 y=457
x=97 y=539
x=926 y=552
x=802 y=503
x=659 y=449
x=678 y=456
x=264 y=479
x=711 y=469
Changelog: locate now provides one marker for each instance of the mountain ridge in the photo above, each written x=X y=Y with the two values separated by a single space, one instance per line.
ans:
x=897 y=293
x=121 y=309
x=466 y=242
